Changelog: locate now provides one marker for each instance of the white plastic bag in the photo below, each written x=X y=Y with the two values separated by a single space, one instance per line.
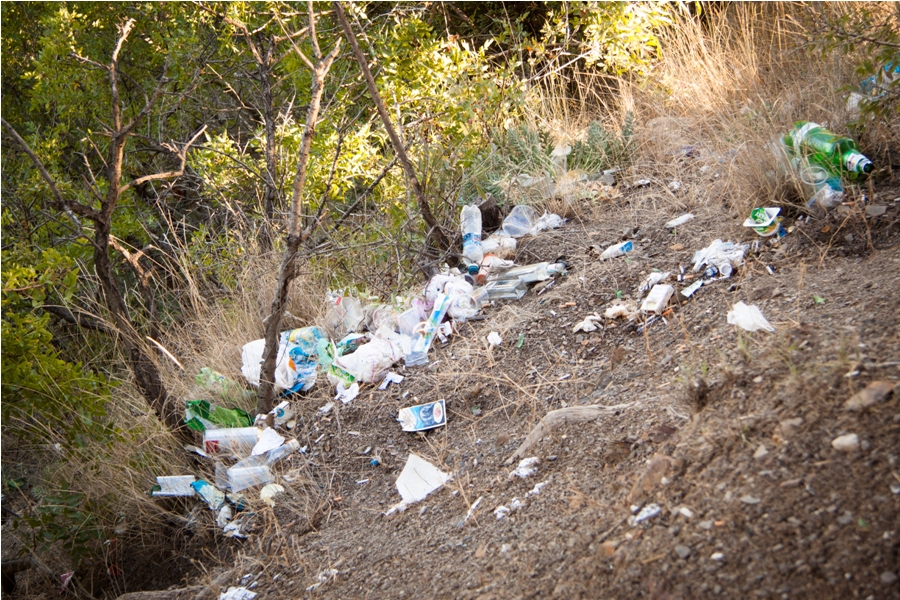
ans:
x=371 y=361
x=749 y=318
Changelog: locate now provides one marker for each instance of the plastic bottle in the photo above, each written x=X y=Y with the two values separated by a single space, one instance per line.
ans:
x=838 y=154
x=617 y=250
x=239 y=440
x=470 y=223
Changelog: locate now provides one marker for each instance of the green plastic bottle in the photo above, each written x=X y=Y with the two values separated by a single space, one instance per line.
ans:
x=837 y=154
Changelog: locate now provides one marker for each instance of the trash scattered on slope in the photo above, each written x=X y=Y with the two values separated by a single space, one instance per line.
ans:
x=526 y=468
x=648 y=512
x=658 y=298
x=749 y=318
x=617 y=250
x=620 y=308
x=214 y=498
x=423 y=416
x=501 y=512
x=201 y=415
x=237 y=440
x=765 y=222
x=268 y=493
x=418 y=354
x=173 y=486
x=347 y=394
x=689 y=290
x=418 y=479
x=390 y=378
x=269 y=439
x=473 y=508
x=295 y=363
x=588 y=324
x=653 y=279
x=537 y=488
x=839 y=155
x=241 y=478
x=494 y=339
x=725 y=256
x=237 y=593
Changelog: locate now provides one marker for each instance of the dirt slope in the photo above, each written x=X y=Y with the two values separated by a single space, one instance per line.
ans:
x=771 y=508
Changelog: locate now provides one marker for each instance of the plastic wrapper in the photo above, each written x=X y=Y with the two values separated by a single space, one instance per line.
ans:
x=423 y=416
x=718 y=253
x=344 y=315
x=749 y=318
x=200 y=415
x=295 y=363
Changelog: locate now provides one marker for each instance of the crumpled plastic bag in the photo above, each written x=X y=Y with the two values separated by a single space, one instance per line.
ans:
x=521 y=221
x=749 y=318
x=371 y=361
x=295 y=364
x=719 y=253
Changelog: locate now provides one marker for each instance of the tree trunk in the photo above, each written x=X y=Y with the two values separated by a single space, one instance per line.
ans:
x=271 y=193
x=436 y=235
x=288 y=269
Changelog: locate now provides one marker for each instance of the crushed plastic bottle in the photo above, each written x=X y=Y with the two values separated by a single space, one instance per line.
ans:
x=839 y=155
x=617 y=250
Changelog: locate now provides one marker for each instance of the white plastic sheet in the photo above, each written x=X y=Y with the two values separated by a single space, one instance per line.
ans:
x=749 y=318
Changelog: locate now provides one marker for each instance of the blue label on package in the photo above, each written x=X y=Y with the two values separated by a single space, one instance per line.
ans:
x=423 y=416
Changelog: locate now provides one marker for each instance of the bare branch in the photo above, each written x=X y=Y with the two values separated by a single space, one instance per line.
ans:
x=81 y=318
x=182 y=156
x=69 y=207
x=314 y=38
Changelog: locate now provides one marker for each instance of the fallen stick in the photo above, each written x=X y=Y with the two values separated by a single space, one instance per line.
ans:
x=556 y=418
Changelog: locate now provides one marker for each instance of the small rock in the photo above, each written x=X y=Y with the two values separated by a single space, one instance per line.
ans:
x=789 y=427
x=888 y=578
x=758 y=379
x=688 y=513
x=846 y=443
x=790 y=483
x=748 y=499
x=845 y=519
x=874 y=393
x=682 y=551
x=876 y=210
x=718 y=556
x=895 y=488
x=706 y=524
x=761 y=452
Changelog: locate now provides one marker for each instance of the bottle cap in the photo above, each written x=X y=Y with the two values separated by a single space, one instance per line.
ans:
x=473 y=269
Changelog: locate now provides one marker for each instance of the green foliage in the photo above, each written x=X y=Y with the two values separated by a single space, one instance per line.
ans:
x=617 y=37
x=603 y=149
x=66 y=517
x=44 y=395
x=869 y=32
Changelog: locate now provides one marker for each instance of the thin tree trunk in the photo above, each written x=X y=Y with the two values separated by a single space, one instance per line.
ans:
x=271 y=193
x=435 y=233
x=288 y=269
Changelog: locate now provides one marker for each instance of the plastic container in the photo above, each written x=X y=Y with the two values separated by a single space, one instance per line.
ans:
x=617 y=250
x=764 y=221
x=238 y=440
x=506 y=289
x=470 y=223
x=837 y=154
x=242 y=478
x=519 y=221
x=269 y=458
x=658 y=298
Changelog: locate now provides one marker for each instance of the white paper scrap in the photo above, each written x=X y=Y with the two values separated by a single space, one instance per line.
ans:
x=237 y=593
x=390 y=378
x=269 y=439
x=347 y=395
x=418 y=479
x=527 y=467
x=494 y=339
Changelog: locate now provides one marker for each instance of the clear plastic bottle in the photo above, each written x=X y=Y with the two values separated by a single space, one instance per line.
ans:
x=617 y=250
x=426 y=331
x=470 y=223
x=838 y=154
